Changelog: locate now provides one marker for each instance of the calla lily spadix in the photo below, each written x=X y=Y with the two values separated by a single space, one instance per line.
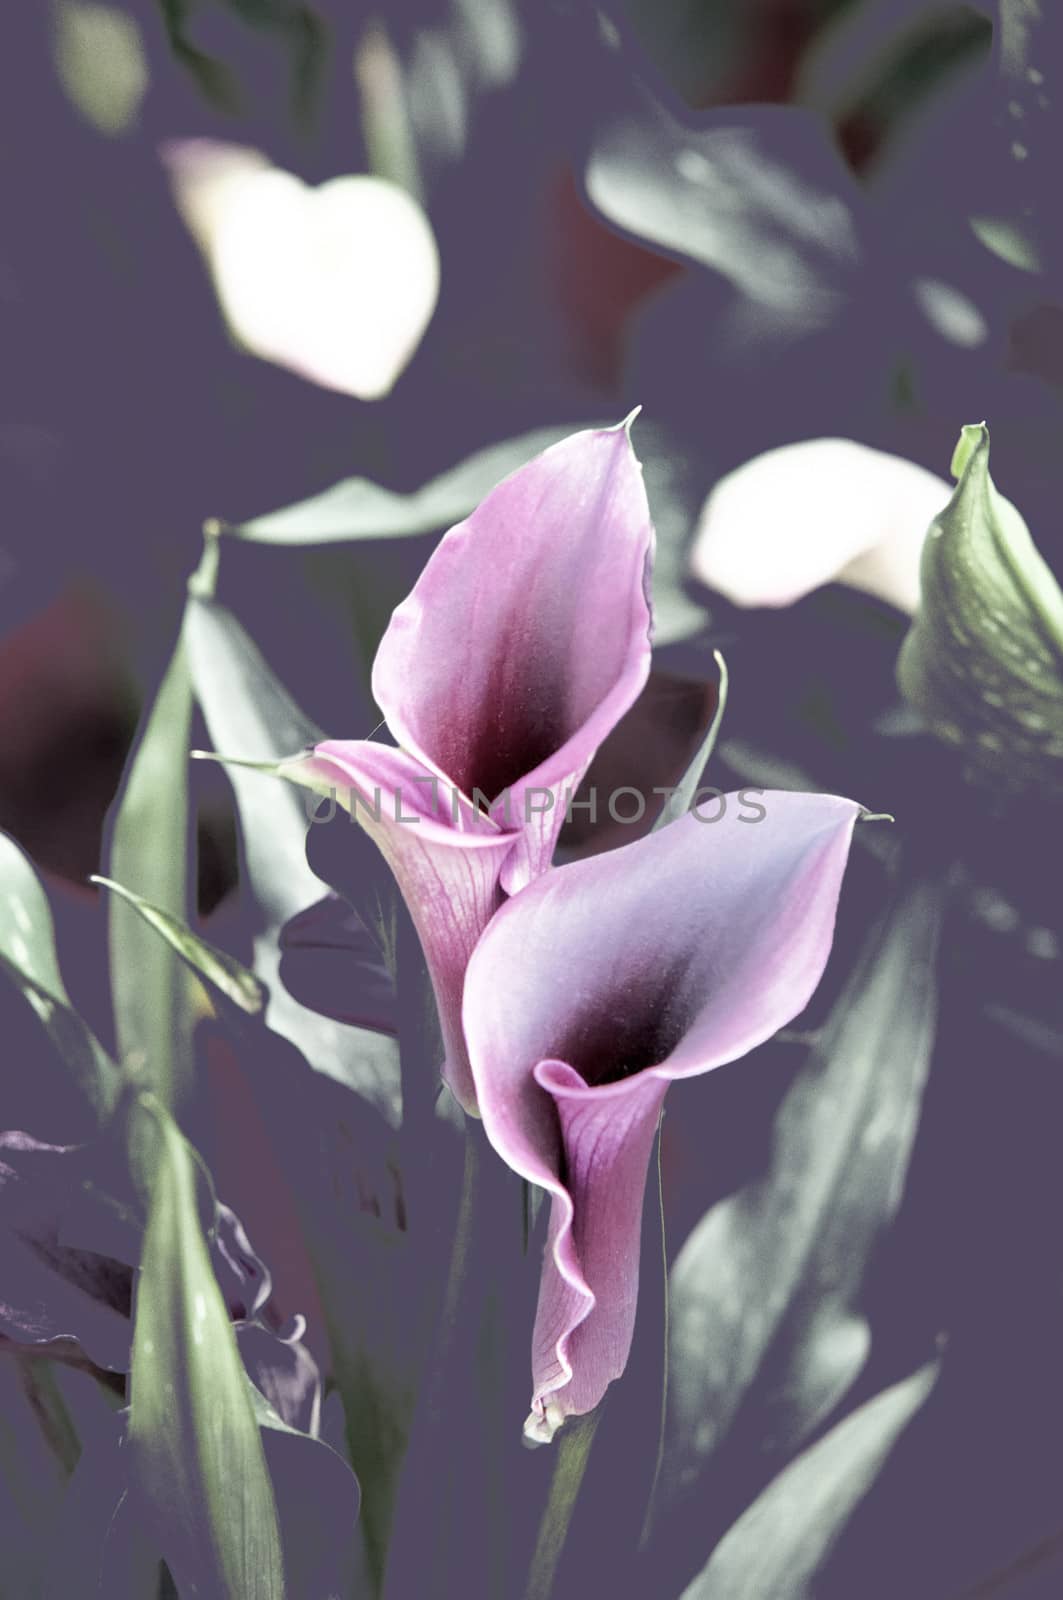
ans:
x=523 y=642
x=596 y=987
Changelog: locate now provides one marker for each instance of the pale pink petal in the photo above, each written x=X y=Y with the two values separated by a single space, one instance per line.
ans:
x=595 y=987
x=823 y=511
x=446 y=858
x=526 y=637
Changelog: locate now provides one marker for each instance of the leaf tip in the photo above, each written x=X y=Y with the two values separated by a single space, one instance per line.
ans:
x=974 y=437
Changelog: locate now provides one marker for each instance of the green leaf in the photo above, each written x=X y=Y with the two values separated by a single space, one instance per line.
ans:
x=682 y=798
x=148 y=851
x=250 y=714
x=983 y=660
x=27 y=954
x=765 y=1291
x=743 y=194
x=227 y=974
x=360 y=509
x=195 y=1440
x=779 y=1545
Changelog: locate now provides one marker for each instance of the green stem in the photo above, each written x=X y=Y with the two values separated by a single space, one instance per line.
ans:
x=573 y=1449
x=408 y=1531
x=647 y=1522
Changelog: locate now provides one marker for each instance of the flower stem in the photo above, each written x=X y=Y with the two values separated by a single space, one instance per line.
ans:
x=647 y=1521
x=574 y=1447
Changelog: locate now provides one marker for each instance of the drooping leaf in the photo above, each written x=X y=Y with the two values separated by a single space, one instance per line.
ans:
x=778 y=1546
x=250 y=714
x=357 y=508
x=27 y=954
x=765 y=1291
x=219 y=968
x=983 y=661
x=196 y=1452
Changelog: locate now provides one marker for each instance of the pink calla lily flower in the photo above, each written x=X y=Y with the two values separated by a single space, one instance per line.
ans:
x=524 y=641
x=596 y=987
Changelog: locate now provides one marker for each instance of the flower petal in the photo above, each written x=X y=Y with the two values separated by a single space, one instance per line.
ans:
x=822 y=511
x=284 y=1371
x=446 y=858
x=582 y=1334
x=526 y=637
x=599 y=984
x=336 y=283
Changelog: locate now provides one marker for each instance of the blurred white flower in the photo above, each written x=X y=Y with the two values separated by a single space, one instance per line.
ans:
x=823 y=511
x=336 y=283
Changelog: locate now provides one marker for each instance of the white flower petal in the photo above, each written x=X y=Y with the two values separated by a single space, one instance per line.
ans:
x=336 y=283
x=822 y=511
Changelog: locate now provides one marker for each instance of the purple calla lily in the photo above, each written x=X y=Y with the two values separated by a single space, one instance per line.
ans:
x=596 y=987
x=525 y=639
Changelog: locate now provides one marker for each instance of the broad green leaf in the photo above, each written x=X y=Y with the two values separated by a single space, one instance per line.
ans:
x=681 y=800
x=149 y=853
x=778 y=1546
x=983 y=661
x=760 y=197
x=249 y=714
x=195 y=1440
x=765 y=1291
x=360 y=509
x=27 y=954
x=317 y=1502
x=219 y=968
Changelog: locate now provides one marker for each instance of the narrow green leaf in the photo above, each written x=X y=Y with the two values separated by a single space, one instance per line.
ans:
x=192 y=1428
x=149 y=853
x=360 y=509
x=222 y=970
x=250 y=714
x=983 y=660
x=27 y=954
x=765 y=1291
x=778 y=1546
x=680 y=800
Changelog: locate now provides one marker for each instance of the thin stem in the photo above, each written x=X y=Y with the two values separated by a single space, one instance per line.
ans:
x=573 y=1449
x=647 y=1522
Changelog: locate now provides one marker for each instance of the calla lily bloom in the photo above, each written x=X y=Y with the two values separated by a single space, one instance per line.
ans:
x=823 y=511
x=525 y=639
x=596 y=987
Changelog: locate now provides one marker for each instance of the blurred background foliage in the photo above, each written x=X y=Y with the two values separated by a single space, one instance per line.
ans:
x=764 y=223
